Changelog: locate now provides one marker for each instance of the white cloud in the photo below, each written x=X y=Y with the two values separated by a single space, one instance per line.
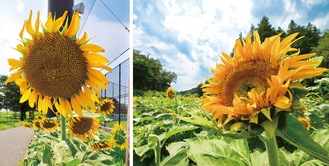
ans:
x=206 y=28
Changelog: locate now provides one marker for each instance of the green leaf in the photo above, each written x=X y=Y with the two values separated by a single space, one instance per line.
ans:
x=47 y=155
x=297 y=135
x=199 y=120
x=73 y=162
x=179 y=158
x=214 y=151
x=179 y=129
x=176 y=146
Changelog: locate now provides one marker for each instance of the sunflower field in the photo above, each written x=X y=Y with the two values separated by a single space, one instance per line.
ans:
x=47 y=147
x=178 y=132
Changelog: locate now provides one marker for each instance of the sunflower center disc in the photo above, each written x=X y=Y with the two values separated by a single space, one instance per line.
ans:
x=245 y=77
x=55 y=65
x=106 y=106
x=83 y=126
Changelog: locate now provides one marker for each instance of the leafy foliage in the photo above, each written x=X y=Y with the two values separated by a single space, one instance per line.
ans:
x=10 y=98
x=188 y=136
x=48 y=149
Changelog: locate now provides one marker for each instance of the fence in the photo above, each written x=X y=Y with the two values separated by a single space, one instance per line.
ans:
x=118 y=90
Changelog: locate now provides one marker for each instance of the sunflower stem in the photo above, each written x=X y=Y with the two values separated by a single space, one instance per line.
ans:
x=272 y=150
x=63 y=127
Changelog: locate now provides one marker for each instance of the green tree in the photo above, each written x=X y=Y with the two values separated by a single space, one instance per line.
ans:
x=148 y=73
x=323 y=49
x=11 y=96
x=311 y=36
x=264 y=28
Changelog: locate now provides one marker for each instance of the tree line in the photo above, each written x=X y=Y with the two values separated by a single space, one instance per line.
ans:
x=148 y=73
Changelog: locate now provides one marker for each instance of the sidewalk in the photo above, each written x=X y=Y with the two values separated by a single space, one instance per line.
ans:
x=13 y=145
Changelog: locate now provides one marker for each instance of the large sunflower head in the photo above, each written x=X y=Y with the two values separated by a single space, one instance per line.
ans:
x=106 y=107
x=119 y=137
x=83 y=128
x=254 y=85
x=57 y=68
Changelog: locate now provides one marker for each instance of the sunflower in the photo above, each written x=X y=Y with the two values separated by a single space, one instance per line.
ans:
x=305 y=122
x=256 y=78
x=27 y=125
x=36 y=124
x=49 y=125
x=118 y=137
x=103 y=145
x=83 y=128
x=106 y=107
x=57 y=68
x=165 y=110
x=170 y=93
x=39 y=117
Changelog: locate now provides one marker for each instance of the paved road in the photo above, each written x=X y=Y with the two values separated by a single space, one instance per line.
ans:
x=13 y=145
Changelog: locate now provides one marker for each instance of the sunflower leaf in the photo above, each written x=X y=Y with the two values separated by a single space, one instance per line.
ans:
x=47 y=155
x=297 y=135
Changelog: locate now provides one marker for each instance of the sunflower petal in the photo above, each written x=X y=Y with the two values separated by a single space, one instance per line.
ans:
x=22 y=31
x=59 y=22
x=49 y=23
x=13 y=77
x=29 y=28
x=91 y=48
x=25 y=96
x=83 y=39
x=37 y=22
x=76 y=107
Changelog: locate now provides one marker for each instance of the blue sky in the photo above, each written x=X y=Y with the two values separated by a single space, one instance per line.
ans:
x=188 y=35
x=100 y=25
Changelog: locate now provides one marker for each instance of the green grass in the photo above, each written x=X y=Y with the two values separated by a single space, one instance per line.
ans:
x=111 y=123
x=9 y=120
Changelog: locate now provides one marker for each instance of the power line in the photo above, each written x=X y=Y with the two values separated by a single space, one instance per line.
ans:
x=117 y=57
x=115 y=16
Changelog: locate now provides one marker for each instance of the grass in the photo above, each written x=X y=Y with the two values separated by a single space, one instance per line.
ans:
x=111 y=123
x=10 y=120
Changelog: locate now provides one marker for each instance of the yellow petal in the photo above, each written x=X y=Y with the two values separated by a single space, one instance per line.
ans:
x=76 y=107
x=88 y=100
x=25 y=96
x=29 y=28
x=49 y=23
x=90 y=93
x=96 y=81
x=67 y=108
x=59 y=22
x=74 y=25
x=40 y=103
x=14 y=64
x=283 y=102
x=37 y=22
x=22 y=31
x=83 y=39
x=98 y=74
x=13 y=77
x=91 y=48
x=97 y=58
x=95 y=88
x=33 y=98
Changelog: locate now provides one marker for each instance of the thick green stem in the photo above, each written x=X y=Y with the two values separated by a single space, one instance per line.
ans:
x=157 y=153
x=63 y=128
x=272 y=150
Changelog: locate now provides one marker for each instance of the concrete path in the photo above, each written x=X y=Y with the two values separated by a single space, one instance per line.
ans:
x=13 y=145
